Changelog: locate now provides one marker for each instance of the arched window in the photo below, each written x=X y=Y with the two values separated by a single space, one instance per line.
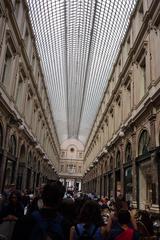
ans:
x=12 y=145
x=106 y=165
x=143 y=143
x=128 y=152
x=111 y=163
x=29 y=159
x=34 y=163
x=1 y=136
x=118 y=163
x=38 y=168
x=22 y=154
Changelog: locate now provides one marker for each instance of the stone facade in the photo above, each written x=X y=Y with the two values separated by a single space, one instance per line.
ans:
x=29 y=147
x=122 y=152
x=71 y=164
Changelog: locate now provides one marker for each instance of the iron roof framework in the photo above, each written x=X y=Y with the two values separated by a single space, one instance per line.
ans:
x=78 y=42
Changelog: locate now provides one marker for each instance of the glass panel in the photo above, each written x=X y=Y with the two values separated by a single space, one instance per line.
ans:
x=9 y=174
x=143 y=143
x=78 y=47
x=145 y=185
x=118 y=160
x=29 y=159
x=128 y=153
x=128 y=184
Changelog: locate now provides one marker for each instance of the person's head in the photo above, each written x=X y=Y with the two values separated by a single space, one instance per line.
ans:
x=68 y=209
x=52 y=194
x=124 y=216
x=90 y=213
x=121 y=204
x=144 y=217
x=14 y=198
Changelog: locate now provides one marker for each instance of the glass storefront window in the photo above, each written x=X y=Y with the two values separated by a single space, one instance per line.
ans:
x=128 y=152
x=10 y=168
x=128 y=184
x=145 y=185
x=118 y=160
x=143 y=143
x=110 y=178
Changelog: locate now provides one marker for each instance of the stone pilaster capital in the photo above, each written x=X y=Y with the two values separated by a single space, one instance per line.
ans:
x=152 y=118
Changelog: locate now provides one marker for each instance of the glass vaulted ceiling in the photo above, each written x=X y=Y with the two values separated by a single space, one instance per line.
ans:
x=78 y=41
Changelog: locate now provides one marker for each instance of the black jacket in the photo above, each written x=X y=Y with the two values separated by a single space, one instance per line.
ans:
x=25 y=225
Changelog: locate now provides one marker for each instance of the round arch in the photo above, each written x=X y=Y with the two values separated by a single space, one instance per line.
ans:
x=29 y=171
x=10 y=177
x=128 y=152
x=29 y=160
x=12 y=148
x=143 y=143
x=22 y=156
x=21 y=168
x=111 y=162
x=118 y=159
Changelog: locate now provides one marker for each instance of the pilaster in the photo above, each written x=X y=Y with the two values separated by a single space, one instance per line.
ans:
x=134 y=170
x=152 y=120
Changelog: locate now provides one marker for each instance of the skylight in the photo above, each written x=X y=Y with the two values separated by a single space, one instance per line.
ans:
x=78 y=42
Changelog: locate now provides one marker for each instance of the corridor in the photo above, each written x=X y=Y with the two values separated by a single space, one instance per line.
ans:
x=80 y=98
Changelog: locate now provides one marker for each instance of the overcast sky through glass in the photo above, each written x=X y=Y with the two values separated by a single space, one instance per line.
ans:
x=78 y=41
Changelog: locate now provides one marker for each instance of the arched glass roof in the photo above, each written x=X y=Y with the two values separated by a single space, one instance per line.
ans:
x=78 y=41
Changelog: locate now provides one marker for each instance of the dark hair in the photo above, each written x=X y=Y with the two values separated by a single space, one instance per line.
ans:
x=17 y=194
x=121 y=203
x=146 y=220
x=52 y=193
x=90 y=213
x=124 y=216
x=67 y=209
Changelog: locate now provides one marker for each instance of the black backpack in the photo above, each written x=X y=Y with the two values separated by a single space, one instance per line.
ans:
x=86 y=234
x=47 y=229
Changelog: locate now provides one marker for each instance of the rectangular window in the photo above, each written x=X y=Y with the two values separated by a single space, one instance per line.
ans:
x=28 y=107
x=62 y=167
x=7 y=66
x=71 y=168
x=17 y=4
x=19 y=91
x=142 y=77
x=26 y=39
x=62 y=154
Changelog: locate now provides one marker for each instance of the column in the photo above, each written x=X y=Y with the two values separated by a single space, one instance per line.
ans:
x=17 y=162
x=122 y=169
x=114 y=176
x=152 y=120
x=134 y=170
x=4 y=159
x=2 y=29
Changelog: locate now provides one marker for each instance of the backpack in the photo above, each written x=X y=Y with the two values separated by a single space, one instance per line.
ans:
x=86 y=234
x=47 y=229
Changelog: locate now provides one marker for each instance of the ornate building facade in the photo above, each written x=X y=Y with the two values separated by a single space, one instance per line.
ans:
x=122 y=152
x=29 y=147
x=71 y=164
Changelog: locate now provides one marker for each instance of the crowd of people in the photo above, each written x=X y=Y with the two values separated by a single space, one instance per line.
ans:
x=52 y=214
